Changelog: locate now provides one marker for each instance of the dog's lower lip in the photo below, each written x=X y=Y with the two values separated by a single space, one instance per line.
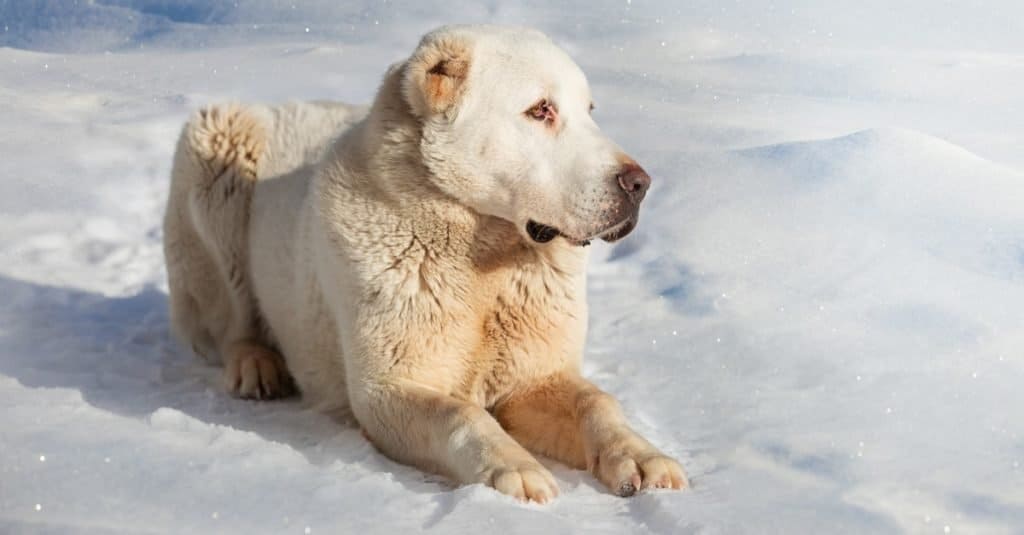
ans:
x=619 y=231
x=541 y=233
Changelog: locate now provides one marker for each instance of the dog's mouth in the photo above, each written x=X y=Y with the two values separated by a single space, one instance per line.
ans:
x=542 y=233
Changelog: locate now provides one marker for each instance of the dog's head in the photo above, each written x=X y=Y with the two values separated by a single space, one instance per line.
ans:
x=507 y=130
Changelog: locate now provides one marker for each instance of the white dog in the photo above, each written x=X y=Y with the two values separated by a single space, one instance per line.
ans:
x=419 y=263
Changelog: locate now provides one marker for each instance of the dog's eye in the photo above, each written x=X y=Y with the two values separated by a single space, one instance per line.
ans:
x=591 y=110
x=543 y=110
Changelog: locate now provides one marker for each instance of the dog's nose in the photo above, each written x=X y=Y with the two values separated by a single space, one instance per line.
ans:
x=634 y=181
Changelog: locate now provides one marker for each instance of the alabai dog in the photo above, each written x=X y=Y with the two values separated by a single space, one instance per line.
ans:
x=418 y=264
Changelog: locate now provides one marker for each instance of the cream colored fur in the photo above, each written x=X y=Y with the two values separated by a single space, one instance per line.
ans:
x=377 y=261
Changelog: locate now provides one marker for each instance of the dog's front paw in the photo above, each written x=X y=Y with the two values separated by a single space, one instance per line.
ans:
x=626 y=470
x=531 y=482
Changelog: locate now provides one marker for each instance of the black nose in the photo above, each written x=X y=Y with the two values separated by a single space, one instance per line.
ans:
x=634 y=181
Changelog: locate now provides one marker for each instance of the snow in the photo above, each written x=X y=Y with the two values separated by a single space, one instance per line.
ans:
x=820 y=313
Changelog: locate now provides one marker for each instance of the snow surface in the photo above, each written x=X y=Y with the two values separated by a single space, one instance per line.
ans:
x=820 y=314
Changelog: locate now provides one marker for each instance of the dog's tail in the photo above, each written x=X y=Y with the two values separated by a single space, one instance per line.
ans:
x=227 y=142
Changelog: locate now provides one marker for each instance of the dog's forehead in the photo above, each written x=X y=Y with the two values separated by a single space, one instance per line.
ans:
x=528 y=59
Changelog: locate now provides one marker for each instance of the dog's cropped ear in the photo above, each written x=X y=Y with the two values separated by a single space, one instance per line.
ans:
x=436 y=74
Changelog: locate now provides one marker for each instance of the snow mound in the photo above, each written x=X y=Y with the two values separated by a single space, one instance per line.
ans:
x=864 y=286
x=72 y=25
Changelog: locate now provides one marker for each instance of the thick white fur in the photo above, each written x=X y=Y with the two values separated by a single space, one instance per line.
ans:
x=377 y=260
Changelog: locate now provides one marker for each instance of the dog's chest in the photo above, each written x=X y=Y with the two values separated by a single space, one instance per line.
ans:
x=532 y=323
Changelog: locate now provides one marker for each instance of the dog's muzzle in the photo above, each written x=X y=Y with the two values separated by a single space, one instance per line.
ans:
x=633 y=183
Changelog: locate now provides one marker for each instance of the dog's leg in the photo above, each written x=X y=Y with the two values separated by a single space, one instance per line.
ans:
x=253 y=371
x=438 y=433
x=570 y=419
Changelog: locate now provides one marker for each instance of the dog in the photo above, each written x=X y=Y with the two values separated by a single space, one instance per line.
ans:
x=418 y=264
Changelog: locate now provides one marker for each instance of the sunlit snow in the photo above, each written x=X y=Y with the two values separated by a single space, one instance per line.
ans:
x=821 y=313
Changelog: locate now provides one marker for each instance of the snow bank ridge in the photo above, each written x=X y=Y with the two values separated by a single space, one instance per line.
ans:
x=873 y=143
